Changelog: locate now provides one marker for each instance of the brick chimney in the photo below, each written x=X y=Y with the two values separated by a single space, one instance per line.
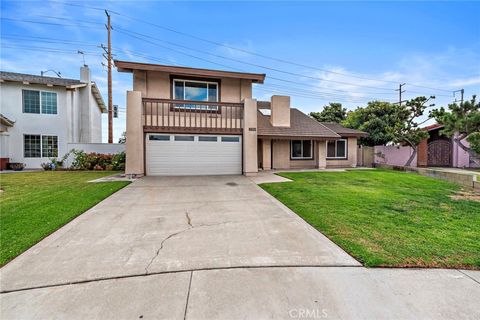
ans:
x=280 y=111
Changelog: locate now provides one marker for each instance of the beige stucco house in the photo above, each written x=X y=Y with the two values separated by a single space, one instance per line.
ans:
x=190 y=121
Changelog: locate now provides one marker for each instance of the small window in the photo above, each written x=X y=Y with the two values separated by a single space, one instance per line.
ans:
x=337 y=149
x=207 y=139
x=31 y=101
x=49 y=102
x=184 y=138
x=158 y=137
x=301 y=149
x=31 y=146
x=49 y=146
x=230 y=139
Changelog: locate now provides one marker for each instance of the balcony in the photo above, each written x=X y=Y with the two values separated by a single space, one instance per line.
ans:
x=177 y=116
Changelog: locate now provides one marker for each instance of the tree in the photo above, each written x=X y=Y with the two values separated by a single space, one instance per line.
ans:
x=463 y=118
x=407 y=130
x=377 y=119
x=123 y=138
x=331 y=113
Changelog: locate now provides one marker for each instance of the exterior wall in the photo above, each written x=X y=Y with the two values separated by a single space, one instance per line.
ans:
x=95 y=121
x=250 y=150
x=398 y=156
x=135 y=143
x=105 y=148
x=280 y=111
x=461 y=159
x=394 y=155
x=351 y=160
x=157 y=85
x=281 y=154
x=265 y=152
x=29 y=123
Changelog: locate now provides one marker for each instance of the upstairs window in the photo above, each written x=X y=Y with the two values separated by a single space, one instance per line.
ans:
x=31 y=101
x=195 y=91
x=49 y=102
x=301 y=149
x=35 y=101
x=337 y=149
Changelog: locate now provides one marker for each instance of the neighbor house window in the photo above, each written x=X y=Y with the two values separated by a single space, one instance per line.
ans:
x=31 y=146
x=49 y=102
x=36 y=146
x=195 y=91
x=31 y=101
x=39 y=102
x=337 y=149
x=49 y=146
x=301 y=149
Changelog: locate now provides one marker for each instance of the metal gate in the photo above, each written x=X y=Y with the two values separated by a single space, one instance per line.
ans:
x=440 y=153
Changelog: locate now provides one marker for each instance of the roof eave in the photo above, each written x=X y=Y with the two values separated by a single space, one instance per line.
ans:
x=98 y=97
x=128 y=66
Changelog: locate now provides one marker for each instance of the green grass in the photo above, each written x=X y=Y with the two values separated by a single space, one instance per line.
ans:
x=34 y=204
x=387 y=218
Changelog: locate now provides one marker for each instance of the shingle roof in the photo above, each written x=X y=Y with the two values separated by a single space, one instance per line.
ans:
x=5 y=121
x=301 y=126
x=344 y=132
x=30 y=78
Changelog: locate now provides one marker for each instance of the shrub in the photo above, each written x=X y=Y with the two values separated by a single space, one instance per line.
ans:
x=97 y=161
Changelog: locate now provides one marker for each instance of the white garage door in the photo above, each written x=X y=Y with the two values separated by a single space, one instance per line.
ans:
x=182 y=154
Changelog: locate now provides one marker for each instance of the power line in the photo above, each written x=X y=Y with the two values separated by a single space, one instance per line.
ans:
x=140 y=35
x=248 y=51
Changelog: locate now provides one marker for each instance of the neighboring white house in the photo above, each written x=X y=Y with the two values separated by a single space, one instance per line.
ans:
x=40 y=116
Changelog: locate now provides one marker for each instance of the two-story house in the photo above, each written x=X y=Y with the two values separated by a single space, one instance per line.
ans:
x=190 y=121
x=41 y=115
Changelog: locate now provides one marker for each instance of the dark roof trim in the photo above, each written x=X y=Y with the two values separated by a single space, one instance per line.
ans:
x=128 y=66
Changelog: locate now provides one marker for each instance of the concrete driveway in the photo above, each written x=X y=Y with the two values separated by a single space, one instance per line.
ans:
x=213 y=247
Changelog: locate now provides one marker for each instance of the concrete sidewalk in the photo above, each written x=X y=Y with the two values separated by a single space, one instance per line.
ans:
x=259 y=293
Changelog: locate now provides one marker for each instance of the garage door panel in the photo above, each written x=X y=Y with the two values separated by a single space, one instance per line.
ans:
x=193 y=157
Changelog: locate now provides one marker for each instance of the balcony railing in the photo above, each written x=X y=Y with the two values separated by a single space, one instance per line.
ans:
x=162 y=115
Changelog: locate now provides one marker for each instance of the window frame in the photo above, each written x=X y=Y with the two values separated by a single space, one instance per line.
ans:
x=42 y=149
x=41 y=145
x=40 y=111
x=203 y=107
x=302 y=157
x=336 y=149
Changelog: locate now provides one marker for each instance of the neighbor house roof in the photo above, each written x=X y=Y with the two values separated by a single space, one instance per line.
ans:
x=301 y=126
x=34 y=79
x=5 y=121
x=128 y=66
x=344 y=132
x=52 y=81
x=432 y=127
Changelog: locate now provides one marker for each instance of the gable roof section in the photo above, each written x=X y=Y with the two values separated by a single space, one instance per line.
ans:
x=128 y=66
x=301 y=126
x=52 y=81
x=344 y=132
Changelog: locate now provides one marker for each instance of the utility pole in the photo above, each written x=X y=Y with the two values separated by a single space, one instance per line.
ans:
x=462 y=92
x=400 y=91
x=110 y=101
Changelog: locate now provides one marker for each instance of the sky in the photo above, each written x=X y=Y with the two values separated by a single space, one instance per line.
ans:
x=316 y=52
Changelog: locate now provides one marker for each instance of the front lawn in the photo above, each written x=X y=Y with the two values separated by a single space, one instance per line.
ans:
x=34 y=204
x=387 y=218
